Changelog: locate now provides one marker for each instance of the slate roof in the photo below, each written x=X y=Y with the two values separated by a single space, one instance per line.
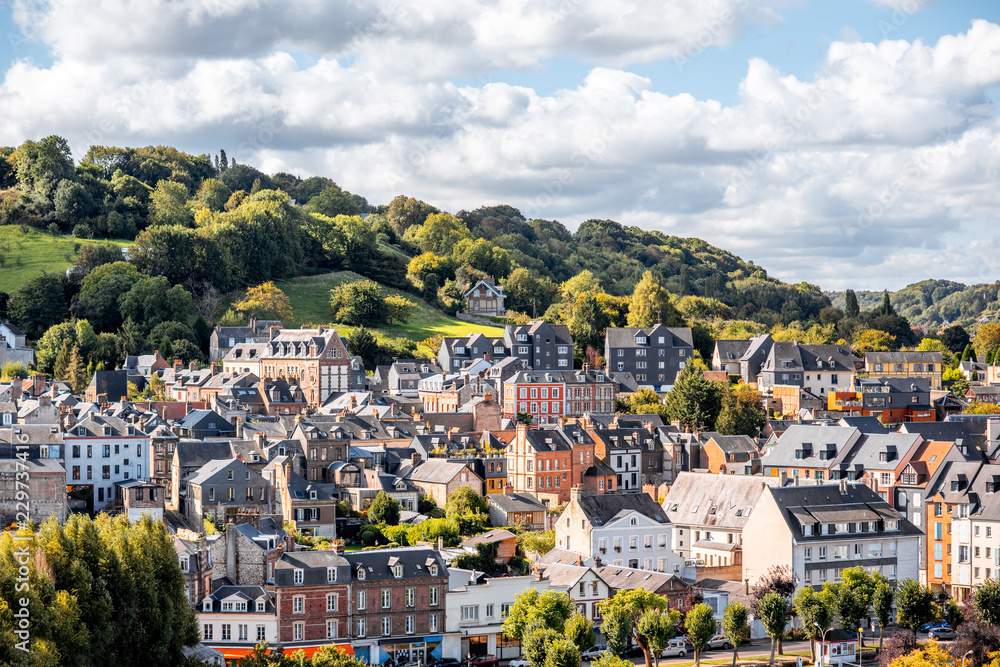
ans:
x=248 y=593
x=735 y=444
x=723 y=501
x=515 y=502
x=601 y=509
x=903 y=357
x=730 y=351
x=626 y=578
x=434 y=471
x=625 y=336
x=835 y=442
x=378 y=563
x=835 y=503
x=490 y=536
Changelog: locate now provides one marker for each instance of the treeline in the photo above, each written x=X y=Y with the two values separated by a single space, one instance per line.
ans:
x=932 y=303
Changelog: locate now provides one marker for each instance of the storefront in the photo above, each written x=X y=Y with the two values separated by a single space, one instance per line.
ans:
x=415 y=651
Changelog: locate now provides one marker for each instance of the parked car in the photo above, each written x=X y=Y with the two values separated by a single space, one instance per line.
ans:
x=942 y=632
x=484 y=661
x=676 y=648
x=719 y=642
x=520 y=662
x=447 y=662
x=590 y=654
x=927 y=627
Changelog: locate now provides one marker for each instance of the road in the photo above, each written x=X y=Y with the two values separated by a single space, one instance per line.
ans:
x=760 y=648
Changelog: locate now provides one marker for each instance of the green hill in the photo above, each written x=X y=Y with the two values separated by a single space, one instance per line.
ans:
x=26 y=255
x=933 y=303
x=310 y=298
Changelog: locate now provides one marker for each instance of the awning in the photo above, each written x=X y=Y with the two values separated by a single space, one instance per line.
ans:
x=233 y=653
x=310 y=651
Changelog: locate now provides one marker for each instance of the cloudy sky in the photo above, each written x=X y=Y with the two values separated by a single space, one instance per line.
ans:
x=850 y=143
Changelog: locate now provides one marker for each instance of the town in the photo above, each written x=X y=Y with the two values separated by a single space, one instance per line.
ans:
x=400 y=515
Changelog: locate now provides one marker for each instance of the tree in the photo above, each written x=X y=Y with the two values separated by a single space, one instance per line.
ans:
x=362 y=343
x=359 y=303
x=384 y=509
x=851 y=309
x=100 y=292
x=742 y=412
x=882 y=605
x=589 y=322
x=214 y=194
x=38 y=303
x=151 y=301
x=72 y=202
x=977 y=636
x=536 y=644
x=538 y=542
x=439 y=233
x=773 y=613
x=778 y=579
x=694 y=401
x=933 y=655
x=465 y=500
x=987 y=338
x=551 y=609
x=914 y=604
x=651 y=304
x=736 y=625
x=331 y=656
x=658 y=628
x=815 y=610
x=955 y=338
x=616 y=626
x=627 y=607
x=76 y=372
x=952 y=613
x=852 y=596
x=986 y=600
x=266 y=301
x=527 y=293
x=898 y=645
x=873 y=340
x=168 y=205
x=700 y=623
x=562 y=653
x=580 y=630
x=333 y=201
x=400 y=309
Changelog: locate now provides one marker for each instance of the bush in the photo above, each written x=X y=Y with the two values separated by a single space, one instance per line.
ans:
x=83 y=231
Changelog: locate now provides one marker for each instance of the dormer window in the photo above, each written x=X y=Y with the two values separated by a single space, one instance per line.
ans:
x=184 y=564
x=954 y=485
x=312 y=495
x=260 y=606
x=298 y=575
x=397 y=571
x=331 y=574
x=640 y=340
x=206 y=605
x=361 y=573
x=230 y=475
x=433 y=569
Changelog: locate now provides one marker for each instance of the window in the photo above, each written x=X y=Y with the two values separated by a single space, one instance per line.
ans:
x=807 y=553
x=433 y=595
x=331 y=629
x=386 y=598
x=489 y=610
x=386 y=626
x=297 y=576
x=362 y=628
x=243 y=632
x=409 y=625
x=362 y=600
x=470 y=612
x=297 y=631
x=504 y=610
x=298 y=604
x=331 y=574
x=206 y=632
x=822 y=553
x=433 y=623
x=331 y=602
x=226 y=632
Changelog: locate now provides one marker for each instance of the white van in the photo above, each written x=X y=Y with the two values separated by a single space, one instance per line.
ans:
x=677 y=648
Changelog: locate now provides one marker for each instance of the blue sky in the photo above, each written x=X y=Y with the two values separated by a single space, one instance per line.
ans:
x=849 y=143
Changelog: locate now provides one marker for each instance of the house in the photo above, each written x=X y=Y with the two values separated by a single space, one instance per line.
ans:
x=233 y=619
x=752 y=361
x=817 y=369
x=731 y=454
x=46 y=485
x=99 y=452
x=627 y=530
x=486 y=299
x=727 y=355
x=666 y=584
x=476 y=609
x=195 y=560
x=14 y=346
x=162 y=442
x=504 y=539
x=836 y=647
x=514 y=509
x=820 y=530
x=312 y=595
x=403 y=376
x=540 y=346
x=309 y=507
x=226 y=489
x=541 y=463
x=581 y=582
x=983 y=394
x=653 y=355
x=108 y=386
x=635 y=454
x=316 y=360
x=223 y=339
x=246 y=554
x=372 y=481
x=977 y=556
x=906 y=364
x=439 y=478
x=188 y=458
x=890 y=400
x=708 y=515
x=398 y=604
x=202 y=424
x=547 y=397
x=137 y=498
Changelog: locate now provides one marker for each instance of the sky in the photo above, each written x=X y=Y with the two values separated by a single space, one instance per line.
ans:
x=847 y=143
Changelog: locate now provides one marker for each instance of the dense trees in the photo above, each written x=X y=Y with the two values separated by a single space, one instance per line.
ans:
x=384 y=509
x=694 y=401
x=741 y=412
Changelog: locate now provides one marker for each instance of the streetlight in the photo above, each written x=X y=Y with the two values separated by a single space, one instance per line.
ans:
x=823 y=641
x=967 y=654
x=861 y=634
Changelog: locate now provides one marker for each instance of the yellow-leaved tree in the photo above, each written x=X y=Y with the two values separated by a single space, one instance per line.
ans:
x=266 y=301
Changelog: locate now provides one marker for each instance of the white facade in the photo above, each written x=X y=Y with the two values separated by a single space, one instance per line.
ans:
x=975 y=553
x=99 y=461
x=635 y=540
x=475 y=613
x=244 y=630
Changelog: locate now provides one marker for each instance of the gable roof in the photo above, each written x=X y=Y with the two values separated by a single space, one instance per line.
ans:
x=602 y=509
x=724 y=501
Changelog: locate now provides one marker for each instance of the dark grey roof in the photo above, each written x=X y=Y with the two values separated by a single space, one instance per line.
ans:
x=196 y=453
x=378 y=563
x=625 y=336
x=903 y=357
x=730 y=351
x=602 y=508
x=515 y=502
x=864 y=424
x=735 y=444
x=834 y=503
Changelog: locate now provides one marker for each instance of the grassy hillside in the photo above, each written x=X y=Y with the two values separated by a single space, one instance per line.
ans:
x=26 y=256
x=310 y=297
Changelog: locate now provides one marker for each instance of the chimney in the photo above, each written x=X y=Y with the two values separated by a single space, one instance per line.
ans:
x=273 y=332
x=440 y=543
x=414 y=458
x=15 y=389
x=575 y=492
x=337 y=547
x=992 y=429
x=843 y=485
x=178 y=365
x=37 y=384
x=214 y=368
x=538 y=573
x=231 y=553
x=192 y=366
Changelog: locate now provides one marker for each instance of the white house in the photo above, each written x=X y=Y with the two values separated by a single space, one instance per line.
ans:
x=628 y=530
x=583 y=585
x=234 y=619
x=821 y=530
x=99 y=452
x=475 y=609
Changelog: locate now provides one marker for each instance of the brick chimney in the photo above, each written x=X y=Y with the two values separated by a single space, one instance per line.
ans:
x=193 y=366
x=178 y=365
x=214 y=368
x=37 y=384
x=414 y=458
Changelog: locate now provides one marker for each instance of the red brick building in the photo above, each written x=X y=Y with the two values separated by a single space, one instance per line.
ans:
x=398 y=606
x=314 y=359
x=312 y=591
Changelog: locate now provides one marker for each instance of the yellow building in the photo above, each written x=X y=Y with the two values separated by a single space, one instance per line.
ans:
x=905 y=364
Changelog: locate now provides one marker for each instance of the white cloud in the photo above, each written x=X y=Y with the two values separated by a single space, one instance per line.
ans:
x=872 y=163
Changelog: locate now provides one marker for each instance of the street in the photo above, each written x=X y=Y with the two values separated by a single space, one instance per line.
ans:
x=760 y=648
